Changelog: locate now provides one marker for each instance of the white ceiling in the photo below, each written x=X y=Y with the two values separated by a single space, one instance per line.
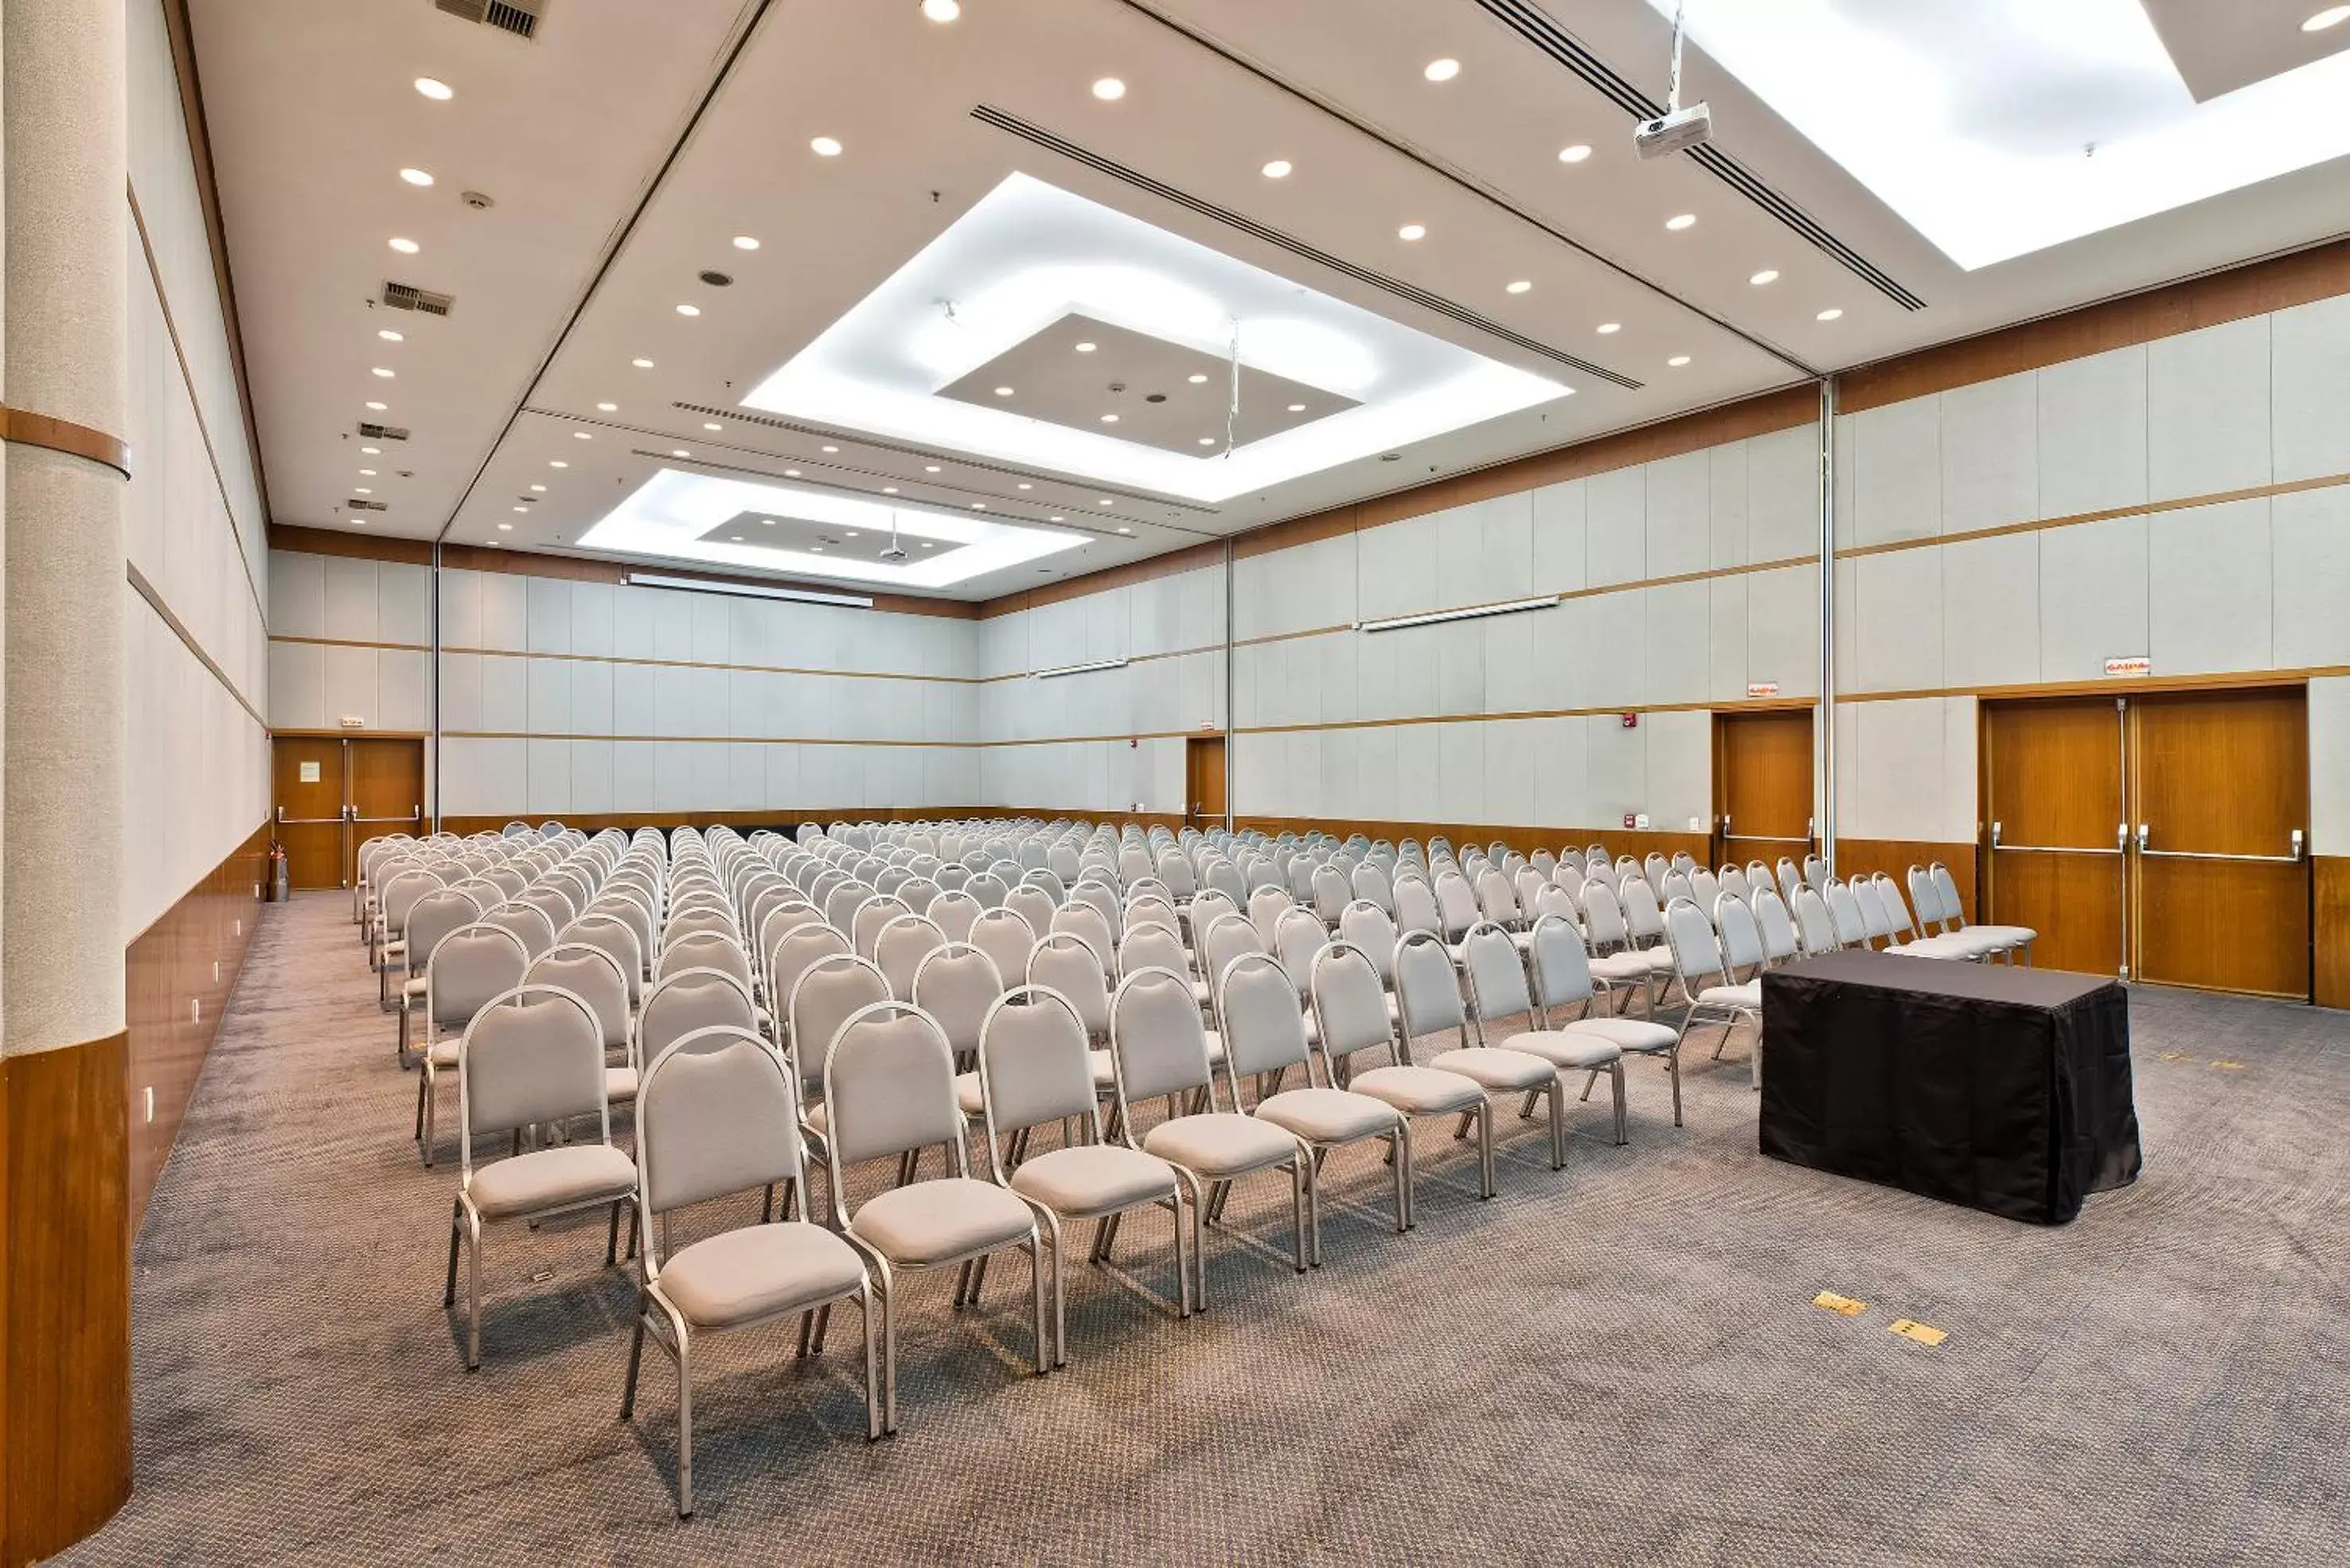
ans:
x=627 y=146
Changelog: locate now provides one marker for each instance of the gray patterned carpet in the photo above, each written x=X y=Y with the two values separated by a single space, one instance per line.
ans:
x=1620 y=1363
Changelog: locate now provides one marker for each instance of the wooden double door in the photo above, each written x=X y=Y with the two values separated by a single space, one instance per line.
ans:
x=334 y=793
x=1763 y=786
x=2159 y=837
x=1204 y=781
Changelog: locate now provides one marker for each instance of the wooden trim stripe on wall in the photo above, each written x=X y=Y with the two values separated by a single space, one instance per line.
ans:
x=22 y=427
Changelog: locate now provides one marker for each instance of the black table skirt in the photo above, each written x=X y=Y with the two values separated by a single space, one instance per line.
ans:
x=2000 y=1088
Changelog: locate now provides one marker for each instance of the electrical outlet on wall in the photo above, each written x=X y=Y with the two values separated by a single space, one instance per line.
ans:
x=1641 y=822
x=150 y=1102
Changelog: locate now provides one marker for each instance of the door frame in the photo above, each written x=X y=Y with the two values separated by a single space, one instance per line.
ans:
x=348 y=818
x=1723 y=717
x=1192 y=748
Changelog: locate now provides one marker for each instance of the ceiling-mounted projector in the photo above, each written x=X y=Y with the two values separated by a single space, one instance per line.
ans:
x=1674 y=131
x=1676 y=128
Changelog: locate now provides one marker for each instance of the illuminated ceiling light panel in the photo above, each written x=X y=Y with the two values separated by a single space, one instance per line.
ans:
x=670 y=516
x=1028 y=254
x=1975 y=119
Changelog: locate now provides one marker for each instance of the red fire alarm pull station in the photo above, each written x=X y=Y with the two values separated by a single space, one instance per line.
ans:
x=1630 y=817
x=1631 y=720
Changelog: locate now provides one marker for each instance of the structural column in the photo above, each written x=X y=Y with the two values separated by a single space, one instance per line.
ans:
x=65 y=1374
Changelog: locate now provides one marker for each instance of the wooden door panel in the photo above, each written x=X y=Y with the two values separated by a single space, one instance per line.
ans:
x=386 y=791
x=2054 y=772
x=1763 y=785
x=2224 y=925
x=2074 y=901
x=2053 y=783
x=309 y=809
x=1204 y=759
x=2217 y=774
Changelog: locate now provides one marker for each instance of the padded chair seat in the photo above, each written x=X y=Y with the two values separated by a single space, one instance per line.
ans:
x=412 y=988
x=1088 y=1180
x=1659 y=958
x=1104 y=1072
x=1565 y=1049
x=1622 y=969
x=968 y=1097
x=2004 y=935
x=1419 y=1091
x=1495 y=1069
x=1950 y=946
x=1628 y=1034
x=1748 y=995
x=444 y=1051
x=552 y=1179
x=620 y=1085
x=758 y=1272
x=1217 y=1143
x=937 y=1222
x=1328 y=1116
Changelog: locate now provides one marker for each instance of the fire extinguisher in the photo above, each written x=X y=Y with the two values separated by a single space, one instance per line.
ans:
x=278 y=892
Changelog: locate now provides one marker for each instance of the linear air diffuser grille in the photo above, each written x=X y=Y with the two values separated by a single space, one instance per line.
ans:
x=383 y=433
x=519 y=17
x=408 y=296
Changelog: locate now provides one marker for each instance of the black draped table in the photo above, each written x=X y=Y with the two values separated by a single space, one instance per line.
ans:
x=2002 y=1088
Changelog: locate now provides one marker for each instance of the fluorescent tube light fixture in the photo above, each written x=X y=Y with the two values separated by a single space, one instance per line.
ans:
x=747 y=590
x=1081 y=669
x=1471 y=612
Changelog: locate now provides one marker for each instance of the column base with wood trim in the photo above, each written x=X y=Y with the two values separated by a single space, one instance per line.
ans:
x=64 y=1370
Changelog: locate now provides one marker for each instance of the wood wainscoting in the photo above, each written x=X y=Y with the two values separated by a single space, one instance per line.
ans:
x=1894 y=856
x=65 y=1272
x=743 y=822
x=2330 y=922
x=179 y=973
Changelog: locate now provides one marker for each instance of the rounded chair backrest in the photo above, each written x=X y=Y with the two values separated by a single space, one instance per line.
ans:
x=1602 y=914
x=1427 y=993
x=717 y=1113
x=1704 y=886
x=840 y=904
x=1742 y=938
x=899 y=951
x=593 y=976
x=1776 y=926
x=603 y=928
x=1655 y=866
x=1696 y=951
x=794 y=951
x=1298 y=936
x=1814 y=924
x=1676 y=884
x=987 y=887
x=832 y=989
x=1733 y=882
x=1228 y=937
x=1264 y=910
x=1332 y=892
x=1031 y=904
x=470 y=965
x=1175 y=869
x=704 y=949
x=1007 y=938
x=889 y=1086
x=1351 y=1004
x=1497 y=975
x=1089 y=925
x=1644 y=916
x=954 y=984
x=873 y=914
x=1150 y=910
x=401 y=892
x=1156 y=1037
x=526 y=921
x=1562 y=964
x=687 y=1001
x=1415 y=905
x=638 y=917
x=1926 y=897
x=1497 y=900
x=1875 y=919
x=953 y=912
x=1150 y=947
x=1948 y=886
x=1844 y=910
x=1790 y=878
x=1456 y=905
x=1034 y=1063
x=532 y=1054
x=1367 y=926
x=1257 y=1009
x=1369 y=880
x=433 y=917
x=1101 y=897
x=1069 y=964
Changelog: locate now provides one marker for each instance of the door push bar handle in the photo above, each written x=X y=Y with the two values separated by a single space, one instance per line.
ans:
x=2296 y=843
x=2143 y=831
x=1994 y=836
x=281 y=813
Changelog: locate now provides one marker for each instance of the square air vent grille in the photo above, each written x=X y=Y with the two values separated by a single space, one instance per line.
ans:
x=383 y=433
x=519 y=17
x=408 y=296
x=358 y=504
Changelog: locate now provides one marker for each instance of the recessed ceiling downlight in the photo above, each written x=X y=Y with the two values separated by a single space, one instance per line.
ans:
x=826 y=147
x=435 y=89
x=642 y=364
x=1677 y=361
x=746 y=243
x=1412 y=231
x=1442 y=70
x=689 y=310
x=2331 y=16
x=1278 y=169
x=1574 y=154
x=1830 y=314
x=942 y=10
x=1681 y=221
x=1608 y=328
x=1767 y=275
x=416 y=176
x=406 y=247
x=1109 y=90
x=1520 y=286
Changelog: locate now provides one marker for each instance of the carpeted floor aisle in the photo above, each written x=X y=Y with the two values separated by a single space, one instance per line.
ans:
x=1620 y=1363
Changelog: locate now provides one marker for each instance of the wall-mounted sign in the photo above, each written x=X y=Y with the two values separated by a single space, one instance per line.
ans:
x=310 y=772
x=2130 y=664
x=1762 y=689
x=353 y=721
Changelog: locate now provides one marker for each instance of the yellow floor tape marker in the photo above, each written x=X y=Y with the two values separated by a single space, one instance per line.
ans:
x=1919 y=1332
x=1837 y=1303
x=2227 y=1066
x=2173 y=1056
